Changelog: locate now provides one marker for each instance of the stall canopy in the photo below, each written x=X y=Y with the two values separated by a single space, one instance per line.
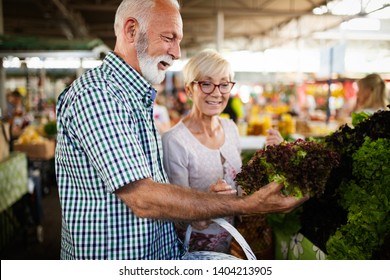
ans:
x=232 y=25
x=29 y=46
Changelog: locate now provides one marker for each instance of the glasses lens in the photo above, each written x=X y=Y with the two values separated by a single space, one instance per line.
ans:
x=225 y=87
x=207 y=87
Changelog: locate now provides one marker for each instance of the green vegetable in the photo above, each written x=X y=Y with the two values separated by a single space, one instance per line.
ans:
x=50 y=128
x=366 y=198
x=359 y=117
x=351 y=219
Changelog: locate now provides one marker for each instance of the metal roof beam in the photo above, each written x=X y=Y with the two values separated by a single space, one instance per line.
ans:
x=75 y=20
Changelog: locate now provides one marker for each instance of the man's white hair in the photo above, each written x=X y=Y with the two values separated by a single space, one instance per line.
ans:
x=138 y=9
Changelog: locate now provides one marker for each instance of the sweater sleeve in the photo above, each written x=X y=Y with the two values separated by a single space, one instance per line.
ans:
x=175 y=159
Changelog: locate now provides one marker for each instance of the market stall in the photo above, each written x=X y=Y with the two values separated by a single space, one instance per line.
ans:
x=252 y=143
x=13 y=178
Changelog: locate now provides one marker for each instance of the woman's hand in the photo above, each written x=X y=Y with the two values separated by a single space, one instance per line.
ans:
x=201 y=225
x=221 y=187
x=273 y=138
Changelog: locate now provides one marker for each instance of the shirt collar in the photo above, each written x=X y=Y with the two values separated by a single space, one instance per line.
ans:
x=131 y=78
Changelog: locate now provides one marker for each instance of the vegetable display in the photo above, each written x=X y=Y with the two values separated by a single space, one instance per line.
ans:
x=347 y=176
x=351 y=220
x=364 y=192
x=302 y=166
x=366 y=198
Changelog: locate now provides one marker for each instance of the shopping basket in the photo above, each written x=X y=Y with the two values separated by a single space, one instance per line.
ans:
x=210 y=255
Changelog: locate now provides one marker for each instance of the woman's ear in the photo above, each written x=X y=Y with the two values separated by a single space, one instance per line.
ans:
x=188 y=91
x=130 y=29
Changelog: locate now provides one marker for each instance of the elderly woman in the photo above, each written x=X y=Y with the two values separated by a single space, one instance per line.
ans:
x=203 y=148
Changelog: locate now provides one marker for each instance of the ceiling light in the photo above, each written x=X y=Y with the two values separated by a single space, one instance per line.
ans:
x=363 y=24
x=382 y=13
x=353 y=7
x=321 y=10
x=344 y=7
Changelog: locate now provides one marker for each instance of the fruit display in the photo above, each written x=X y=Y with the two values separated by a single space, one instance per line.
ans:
x=30 y=135
x=34 y=144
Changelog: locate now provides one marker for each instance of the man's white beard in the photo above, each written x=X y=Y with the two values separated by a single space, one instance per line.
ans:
x=148 y=64
x=150 y=70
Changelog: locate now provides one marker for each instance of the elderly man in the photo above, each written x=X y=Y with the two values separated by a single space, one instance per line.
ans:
x=115 y=197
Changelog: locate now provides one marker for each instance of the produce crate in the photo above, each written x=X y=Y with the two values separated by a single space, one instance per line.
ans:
x=13 y=187
x=4 y=140
x=295 y=247
x=38 y=151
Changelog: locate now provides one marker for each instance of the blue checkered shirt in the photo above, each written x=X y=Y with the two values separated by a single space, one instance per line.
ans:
x=107 y=139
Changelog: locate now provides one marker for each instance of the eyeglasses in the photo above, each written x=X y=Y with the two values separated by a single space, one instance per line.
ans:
x=208 y=87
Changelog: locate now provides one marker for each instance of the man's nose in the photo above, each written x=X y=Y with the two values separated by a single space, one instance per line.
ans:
x=174 y=50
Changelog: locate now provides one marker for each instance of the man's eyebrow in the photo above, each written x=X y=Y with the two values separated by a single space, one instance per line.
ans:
x=173 y=34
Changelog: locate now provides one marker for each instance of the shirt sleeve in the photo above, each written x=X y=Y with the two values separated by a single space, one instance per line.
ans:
x=107 y=134
x=176 y=159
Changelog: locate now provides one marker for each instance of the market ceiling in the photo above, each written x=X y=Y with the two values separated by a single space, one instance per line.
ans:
x=226 y=25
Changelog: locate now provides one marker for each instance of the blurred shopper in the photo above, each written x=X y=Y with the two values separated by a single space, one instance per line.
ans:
x=234 y=109
x=161 y=115
x=203 y=147
x=160 y=111
x=14 y=105
x=115 y=197
x=372 y=94
x=15 y=114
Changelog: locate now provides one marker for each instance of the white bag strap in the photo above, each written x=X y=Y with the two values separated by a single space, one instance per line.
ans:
x=232 y=230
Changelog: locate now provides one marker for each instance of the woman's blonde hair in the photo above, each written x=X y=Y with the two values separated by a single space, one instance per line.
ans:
x=206 y=63
x=378 y=98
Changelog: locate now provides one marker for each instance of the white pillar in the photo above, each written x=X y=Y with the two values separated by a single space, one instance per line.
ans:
x=80 y=70
x=41 y=87
x=220 y=31
x=1 y=18
x=2 y=88
x=2 y=70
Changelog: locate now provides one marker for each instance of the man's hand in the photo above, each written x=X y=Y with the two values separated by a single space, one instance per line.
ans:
x=269 y=199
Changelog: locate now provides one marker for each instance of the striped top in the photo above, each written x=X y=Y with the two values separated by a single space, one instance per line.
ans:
x=107 y=139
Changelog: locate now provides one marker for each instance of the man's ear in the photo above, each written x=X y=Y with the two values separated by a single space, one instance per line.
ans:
x=130 y=29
